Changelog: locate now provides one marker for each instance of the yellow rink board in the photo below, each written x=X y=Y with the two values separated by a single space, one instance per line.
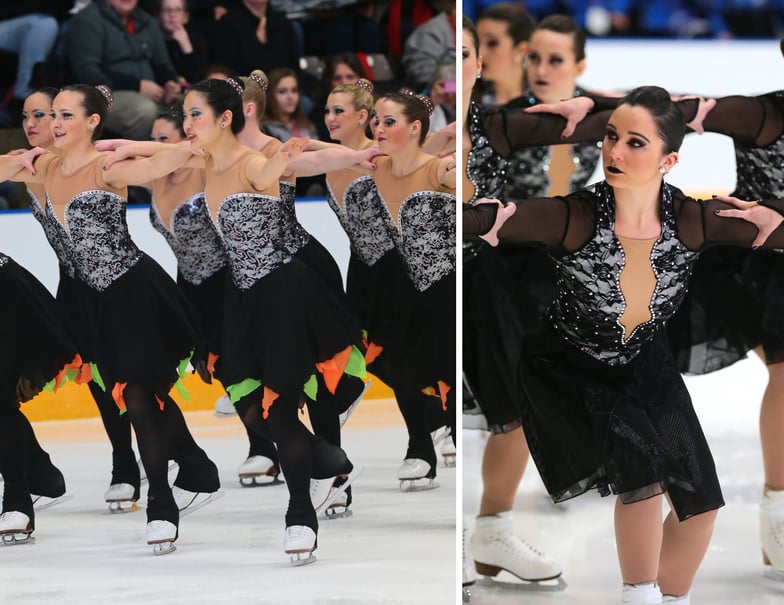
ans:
x=74 y=401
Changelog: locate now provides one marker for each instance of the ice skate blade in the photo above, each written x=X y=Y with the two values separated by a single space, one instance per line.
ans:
x=509 y=582
x=466 y=594
x=198 y=503
x=17 y=538
x=298 y=559
x=42 y=502
x=116 y=506
x=338 y=512
x=492 y=571
x=163 y=548
x=256 y=480
x=422 y=484
x=344 y=416
x=340 y=490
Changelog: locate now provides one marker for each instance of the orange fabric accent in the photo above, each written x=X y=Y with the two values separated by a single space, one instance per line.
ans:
x=85 y=374
x=212 y=358
x=443 y=389
x=74 y=364
x=118 y=394
x=267 y=400
x=332 y=369
x=372 y=352
x=160 y=402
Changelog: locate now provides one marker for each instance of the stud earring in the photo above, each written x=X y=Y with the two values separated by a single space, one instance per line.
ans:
x=90 y=127
x=479 y=75
x=662 y=169
x=247 y=116
x=222 y=125
x=411 y=134
x=359 y=122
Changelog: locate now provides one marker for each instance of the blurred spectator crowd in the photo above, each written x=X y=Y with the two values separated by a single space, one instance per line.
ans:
x=664 y=18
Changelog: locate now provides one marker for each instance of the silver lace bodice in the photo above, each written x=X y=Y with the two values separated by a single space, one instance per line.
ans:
x=294 y=234
x=485 y=168
x=193 y=239
x=96 y=238
x=363 y=219
x=590 y=303
x=248 y=224
x=50 y=227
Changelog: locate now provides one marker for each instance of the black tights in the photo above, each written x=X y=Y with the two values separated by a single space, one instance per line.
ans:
x=424 y=414
x=161 y=434
x=302 y=455
x=25 y=466
x=118 y=429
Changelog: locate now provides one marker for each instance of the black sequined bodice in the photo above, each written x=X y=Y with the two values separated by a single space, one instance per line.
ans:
x=486 y=168
x=295 y=236
x=760 y=170
x=363 y=219
x=590 y=303
x=248 y=224
x=95 y=237
x=52 y=233
x=193 y=239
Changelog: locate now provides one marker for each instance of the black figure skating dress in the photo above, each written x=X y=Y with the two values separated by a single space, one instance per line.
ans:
x=202 y=264
x=135 y=324
x=736 y=297
x=282 y=322
x=605 y=406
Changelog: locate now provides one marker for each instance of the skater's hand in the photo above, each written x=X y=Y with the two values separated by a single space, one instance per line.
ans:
x=767 y=220
x=574 y=110
x=200 y=366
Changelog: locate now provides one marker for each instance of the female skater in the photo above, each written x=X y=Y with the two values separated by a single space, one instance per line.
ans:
x=123 y=490
x=133 y=318
x=606 y=407
x=37 y=349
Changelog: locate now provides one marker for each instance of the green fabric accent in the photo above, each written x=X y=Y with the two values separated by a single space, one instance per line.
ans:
x=311 y=387
x=49 y=386
x=182 y=369
x=70 y=375
x=184 y=393
x=123 y=412
x=239 y=390
x=97 y=379
x=356 y=364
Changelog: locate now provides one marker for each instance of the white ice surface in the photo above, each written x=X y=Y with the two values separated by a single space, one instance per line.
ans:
x=579 y=533
x=396 y=549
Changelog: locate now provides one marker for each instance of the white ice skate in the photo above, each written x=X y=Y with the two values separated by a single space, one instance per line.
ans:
x=43 y=502
x=121 y=498
x=189 y=502
x=772 y=533
x=258 y=471
x=443 y=436
x=344 y=416
x=416 y=475
x=469 y=572
x=224 y=408
x=497 y=548
x=299 y=542
x=15 y=528
x=162 y=535
x=332 y=499
x=683 y=599
x=647 y=593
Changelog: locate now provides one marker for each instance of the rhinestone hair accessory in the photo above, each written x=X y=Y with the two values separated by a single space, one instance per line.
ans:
x=106 y=93
x=235 y=85
x=365 y=84
x=421 y=98
x=260 y=81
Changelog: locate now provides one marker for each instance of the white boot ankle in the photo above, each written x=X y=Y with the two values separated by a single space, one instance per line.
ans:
x=496 y=548
x=647 y=593
x=469 y=571
x=772 y=528
x=683 y=599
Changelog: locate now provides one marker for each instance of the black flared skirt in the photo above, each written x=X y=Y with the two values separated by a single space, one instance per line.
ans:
x=36 y=341
x=629 y=430
x=206 y=299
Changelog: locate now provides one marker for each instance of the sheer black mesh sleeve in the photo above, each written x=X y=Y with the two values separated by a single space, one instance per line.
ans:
x=700 y=228
x=511 y=129
x=559 y=224
x=750 y=121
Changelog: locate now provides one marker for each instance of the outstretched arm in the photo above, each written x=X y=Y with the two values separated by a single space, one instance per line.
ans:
x=264 y=172
x=20 y=167
x=139 y=171
x=751 y=121
x=333 y=157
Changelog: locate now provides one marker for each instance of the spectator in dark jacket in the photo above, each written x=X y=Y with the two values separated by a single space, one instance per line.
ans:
x=253 y=36
x=113 y=42
x=187 y=48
